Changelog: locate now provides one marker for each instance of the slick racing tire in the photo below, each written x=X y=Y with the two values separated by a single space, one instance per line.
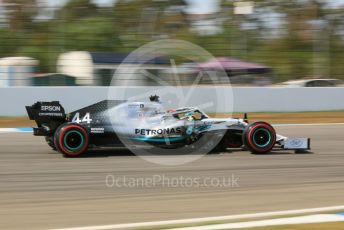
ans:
x=50 y=142
x=259 y=137
x=71 y=139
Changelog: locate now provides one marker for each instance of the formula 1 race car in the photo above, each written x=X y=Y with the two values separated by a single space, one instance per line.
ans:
x=115 y=123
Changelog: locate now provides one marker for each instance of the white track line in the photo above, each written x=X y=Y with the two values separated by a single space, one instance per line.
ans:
x=311 y=219
x=7 y=130
x=14 y=130
x=207 y=219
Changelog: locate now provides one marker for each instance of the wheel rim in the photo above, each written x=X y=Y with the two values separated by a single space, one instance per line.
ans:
x=261 y=137
x=73 y=140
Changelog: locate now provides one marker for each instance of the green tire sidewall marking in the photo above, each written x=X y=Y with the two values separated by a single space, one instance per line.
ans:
x=65 y=140
x=267 y=132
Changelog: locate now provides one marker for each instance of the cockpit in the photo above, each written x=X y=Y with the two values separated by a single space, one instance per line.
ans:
x=189 y=114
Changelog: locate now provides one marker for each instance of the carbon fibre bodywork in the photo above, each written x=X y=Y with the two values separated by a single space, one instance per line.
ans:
x=116 y=123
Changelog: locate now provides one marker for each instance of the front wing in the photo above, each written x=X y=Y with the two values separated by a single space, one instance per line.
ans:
x=294 y=143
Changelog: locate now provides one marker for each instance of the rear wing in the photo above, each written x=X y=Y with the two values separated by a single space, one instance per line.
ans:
x=47 y=115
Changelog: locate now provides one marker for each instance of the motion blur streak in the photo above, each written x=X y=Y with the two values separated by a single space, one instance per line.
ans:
x=44 y=190
x=295 y=38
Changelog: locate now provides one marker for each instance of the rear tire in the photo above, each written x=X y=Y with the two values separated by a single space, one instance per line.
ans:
x=50 y=142
x=259 y=137
x=71 y=139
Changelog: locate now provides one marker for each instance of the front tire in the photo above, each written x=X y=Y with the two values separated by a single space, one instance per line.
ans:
x=71 y=139
x=259 y=137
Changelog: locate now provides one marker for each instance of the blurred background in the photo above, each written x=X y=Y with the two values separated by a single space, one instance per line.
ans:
x=296 y=43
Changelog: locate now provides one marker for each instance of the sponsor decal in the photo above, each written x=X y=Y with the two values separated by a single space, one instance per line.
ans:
x=50 y=114
x=51 y=108
x=144 y=132
x=136 y=106
x=296 y=143
x=134 y=110
x=97 y=130
x=189 y=130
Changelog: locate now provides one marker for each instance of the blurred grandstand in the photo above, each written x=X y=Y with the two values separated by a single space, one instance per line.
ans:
x=80 y=42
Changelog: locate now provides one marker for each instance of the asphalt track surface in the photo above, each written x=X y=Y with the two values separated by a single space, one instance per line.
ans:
x=39 y=189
